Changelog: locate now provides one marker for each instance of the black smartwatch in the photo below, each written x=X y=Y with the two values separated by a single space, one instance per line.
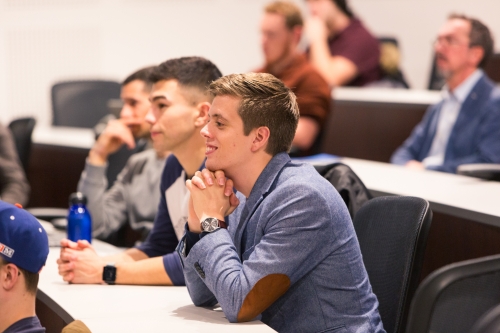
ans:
x=109 y=274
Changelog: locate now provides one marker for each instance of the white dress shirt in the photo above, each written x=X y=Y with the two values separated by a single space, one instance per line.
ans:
x=452 y=103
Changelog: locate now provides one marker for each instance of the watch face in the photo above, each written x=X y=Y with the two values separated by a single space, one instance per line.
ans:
x=210 y=224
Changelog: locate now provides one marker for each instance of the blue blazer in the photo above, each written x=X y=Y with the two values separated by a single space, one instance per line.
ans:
x=290 y=256
x=475 y=137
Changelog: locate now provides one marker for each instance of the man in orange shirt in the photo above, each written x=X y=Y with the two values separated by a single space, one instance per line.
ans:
x=281 y=31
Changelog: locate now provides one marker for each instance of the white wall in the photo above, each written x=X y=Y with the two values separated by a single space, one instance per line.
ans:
x=43 y=41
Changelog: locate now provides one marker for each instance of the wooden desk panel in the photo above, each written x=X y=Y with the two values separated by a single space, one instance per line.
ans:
x=452 y=239
x=369 y=130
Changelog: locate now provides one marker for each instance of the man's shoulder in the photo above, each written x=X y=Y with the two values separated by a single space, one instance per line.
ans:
x=303 y=178
x=171 y=172
x=148 y=154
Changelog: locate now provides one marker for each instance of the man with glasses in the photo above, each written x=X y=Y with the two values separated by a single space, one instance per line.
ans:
x=464 y=127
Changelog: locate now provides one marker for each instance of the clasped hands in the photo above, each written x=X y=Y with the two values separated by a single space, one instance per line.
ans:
x=79 y=263
x=211 y=196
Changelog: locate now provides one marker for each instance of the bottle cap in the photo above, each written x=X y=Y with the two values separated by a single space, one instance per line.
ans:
x=77 y=198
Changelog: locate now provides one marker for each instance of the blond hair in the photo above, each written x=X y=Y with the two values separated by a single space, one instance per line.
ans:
x=288 y=10
x=265 y=101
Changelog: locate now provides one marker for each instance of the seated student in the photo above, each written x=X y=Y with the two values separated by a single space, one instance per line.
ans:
x=341 y=48
x=281 y=31
x=464 y=127
x=14 y=187
x=24 y=248
x=288 y=252
x=134 y=196
x=180 y=103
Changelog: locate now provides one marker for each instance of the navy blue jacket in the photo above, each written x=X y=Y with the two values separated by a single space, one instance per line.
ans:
x=475 y=137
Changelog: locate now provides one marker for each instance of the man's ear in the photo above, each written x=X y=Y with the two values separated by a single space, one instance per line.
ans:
x=297 y=33
x=9 y=275
x=261 y=138
x=202 y=116
x=476 y=55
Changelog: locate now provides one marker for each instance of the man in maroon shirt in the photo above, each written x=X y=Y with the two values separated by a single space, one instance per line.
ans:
x=341 y=48
x=281 y=31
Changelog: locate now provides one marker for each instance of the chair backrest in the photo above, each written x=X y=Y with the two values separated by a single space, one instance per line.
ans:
x=22 y=129
x=390 y=56
x=492 y=68
x=347 y=183
x=392 y=233
x=454 y=297
x=82 y=103
x=489 y=322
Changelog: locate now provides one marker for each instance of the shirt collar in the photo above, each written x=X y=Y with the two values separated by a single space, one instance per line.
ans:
x=464 y=89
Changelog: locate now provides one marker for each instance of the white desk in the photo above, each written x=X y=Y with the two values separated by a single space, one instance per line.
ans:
x=386 y=95
x=64 y=136
x=461 y=196
x=135 y=309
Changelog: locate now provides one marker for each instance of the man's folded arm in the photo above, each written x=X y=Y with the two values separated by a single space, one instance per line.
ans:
x=198 y=291
x=107 y=208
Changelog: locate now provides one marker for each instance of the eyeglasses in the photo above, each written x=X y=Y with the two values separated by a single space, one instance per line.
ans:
x=449 y=41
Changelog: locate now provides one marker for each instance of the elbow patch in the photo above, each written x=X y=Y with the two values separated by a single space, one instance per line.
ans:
x=265 y=292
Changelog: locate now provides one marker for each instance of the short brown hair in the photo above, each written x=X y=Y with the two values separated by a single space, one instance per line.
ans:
x=141 y=75
x=288 y=10
x=480 y=36
x=265 y=101
x=30 y=279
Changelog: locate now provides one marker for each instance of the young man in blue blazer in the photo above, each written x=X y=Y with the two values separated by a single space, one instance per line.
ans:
x=282 y=248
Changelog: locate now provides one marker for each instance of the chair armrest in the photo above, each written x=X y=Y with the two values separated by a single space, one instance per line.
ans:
x=483 y=171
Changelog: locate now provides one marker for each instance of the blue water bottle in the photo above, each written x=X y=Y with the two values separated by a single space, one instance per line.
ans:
x=79 y=220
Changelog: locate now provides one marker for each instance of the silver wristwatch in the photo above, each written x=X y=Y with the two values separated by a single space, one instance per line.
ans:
x=211 y=224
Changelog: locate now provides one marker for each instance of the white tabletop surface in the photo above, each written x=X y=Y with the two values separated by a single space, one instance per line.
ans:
x=461 y=196
x=64 y=136
x=123 y=309
x=386 y=95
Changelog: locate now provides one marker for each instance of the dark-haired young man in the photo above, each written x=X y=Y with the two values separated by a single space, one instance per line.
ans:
x=464 y=127
x=24 y=248
x=281 y=31
x=288 y=254
x=133 y=198
x=180 y=103
x=341 y=48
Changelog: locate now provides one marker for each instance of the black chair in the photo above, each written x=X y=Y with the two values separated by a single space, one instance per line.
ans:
x=489 y=322
x=453 y=298
x=392 y=75
x=22 y=129
x=347 y=183
x=82 y=103
x=392 y=233
x=436 y=80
